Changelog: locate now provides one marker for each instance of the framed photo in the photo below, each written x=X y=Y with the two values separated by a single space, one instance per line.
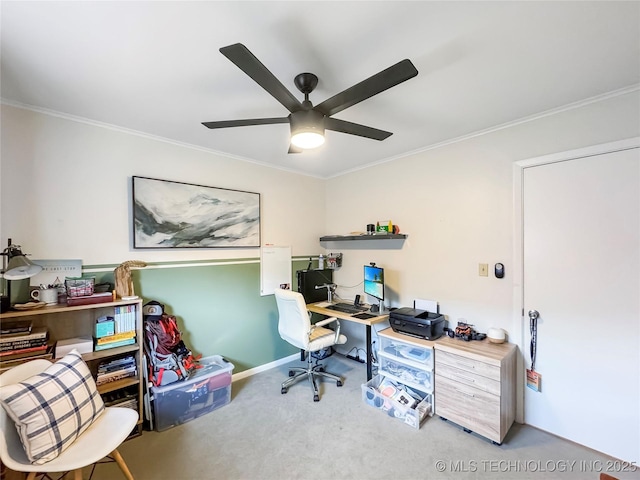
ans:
x=170 y=214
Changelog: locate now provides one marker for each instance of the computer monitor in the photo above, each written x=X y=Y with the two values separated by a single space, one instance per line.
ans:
x=374 y=281
x=308 y=280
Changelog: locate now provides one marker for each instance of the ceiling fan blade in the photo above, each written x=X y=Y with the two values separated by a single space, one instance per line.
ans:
x=379 y=82
x=355 y=129
x=249 y=64
x=245 y=123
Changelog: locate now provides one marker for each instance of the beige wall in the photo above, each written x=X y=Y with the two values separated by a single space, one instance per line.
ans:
x=66 y=194
x=456 y=204
x=66 y=191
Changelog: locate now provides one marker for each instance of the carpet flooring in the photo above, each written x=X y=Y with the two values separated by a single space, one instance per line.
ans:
x=264 y=435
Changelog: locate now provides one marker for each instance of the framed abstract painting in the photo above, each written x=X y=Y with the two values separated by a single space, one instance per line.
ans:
x=170 y=214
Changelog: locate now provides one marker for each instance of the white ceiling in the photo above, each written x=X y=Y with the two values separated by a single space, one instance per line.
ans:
x=155 y=68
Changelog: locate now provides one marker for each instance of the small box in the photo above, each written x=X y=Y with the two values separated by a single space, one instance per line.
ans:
x=384 y=226
x=90 y=299
x=105 y=328
x=207 y=390
x=82 y=344
x=413 y=417
x=79 y=287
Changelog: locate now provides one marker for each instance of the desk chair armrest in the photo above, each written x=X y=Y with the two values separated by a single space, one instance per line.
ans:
x=327 y=321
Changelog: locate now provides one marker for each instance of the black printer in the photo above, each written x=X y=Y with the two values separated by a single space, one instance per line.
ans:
x=418 y=323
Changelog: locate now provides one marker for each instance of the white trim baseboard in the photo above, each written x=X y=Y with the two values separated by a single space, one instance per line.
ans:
x=265 y=367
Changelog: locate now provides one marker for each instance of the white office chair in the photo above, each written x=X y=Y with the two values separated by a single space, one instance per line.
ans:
x=294 y=326
x=100 y=440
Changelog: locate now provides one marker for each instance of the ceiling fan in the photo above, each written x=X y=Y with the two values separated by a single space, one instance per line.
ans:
x=308 y=122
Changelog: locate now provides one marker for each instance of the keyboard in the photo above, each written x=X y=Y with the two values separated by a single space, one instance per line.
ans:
x=346 y=308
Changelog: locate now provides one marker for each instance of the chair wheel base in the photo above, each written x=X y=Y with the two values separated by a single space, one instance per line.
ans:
x=339 y=383
x=284 y=390
x=316 y=398
x=291 y=373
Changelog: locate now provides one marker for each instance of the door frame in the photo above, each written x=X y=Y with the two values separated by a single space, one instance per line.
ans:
x=519 y=322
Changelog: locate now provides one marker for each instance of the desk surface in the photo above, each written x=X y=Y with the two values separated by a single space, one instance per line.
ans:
x=320 y=307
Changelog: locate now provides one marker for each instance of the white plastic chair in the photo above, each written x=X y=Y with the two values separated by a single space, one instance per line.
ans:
x=100 y=440
x=294 y=326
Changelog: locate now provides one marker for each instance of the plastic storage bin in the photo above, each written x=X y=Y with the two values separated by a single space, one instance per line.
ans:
x=406 y=351
x=406 y=374
x=207 y=390
x=411 y=416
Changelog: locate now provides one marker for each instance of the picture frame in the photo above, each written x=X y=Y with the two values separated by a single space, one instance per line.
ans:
x=169 y=214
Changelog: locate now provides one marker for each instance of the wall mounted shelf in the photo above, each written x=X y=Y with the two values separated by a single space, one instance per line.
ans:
x=343 y=238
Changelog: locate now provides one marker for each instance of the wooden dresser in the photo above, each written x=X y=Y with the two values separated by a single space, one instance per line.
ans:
x=475 y=385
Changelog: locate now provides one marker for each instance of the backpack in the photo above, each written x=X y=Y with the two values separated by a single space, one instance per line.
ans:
x=168 y=358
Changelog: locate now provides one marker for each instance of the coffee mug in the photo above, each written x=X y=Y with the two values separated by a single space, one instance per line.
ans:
x=46 y=295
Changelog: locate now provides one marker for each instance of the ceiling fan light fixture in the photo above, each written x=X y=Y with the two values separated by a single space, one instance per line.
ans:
x=307 y=129
x=307 y=140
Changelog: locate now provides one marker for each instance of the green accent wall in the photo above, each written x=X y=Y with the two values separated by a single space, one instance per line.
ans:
x=218 y=307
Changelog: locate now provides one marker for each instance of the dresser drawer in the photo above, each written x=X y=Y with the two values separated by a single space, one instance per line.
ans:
x=468 y=406
x=403 y=350
x=406 y=374
x=467 y=364
x=468 y=378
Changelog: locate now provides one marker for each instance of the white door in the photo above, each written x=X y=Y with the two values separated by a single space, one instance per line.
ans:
x=581 y=243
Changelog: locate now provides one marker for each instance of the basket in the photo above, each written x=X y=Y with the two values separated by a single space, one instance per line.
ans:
x=79 y=287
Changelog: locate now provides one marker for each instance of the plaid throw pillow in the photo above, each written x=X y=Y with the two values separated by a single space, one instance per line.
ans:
x=53 y=408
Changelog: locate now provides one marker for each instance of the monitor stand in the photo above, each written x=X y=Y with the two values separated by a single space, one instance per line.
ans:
x=377 y=308
x=331 y=289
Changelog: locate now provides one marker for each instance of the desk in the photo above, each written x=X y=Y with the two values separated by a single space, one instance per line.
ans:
x=320 y=309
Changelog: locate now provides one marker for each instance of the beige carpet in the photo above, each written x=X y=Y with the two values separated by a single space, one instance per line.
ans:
x=264 y=435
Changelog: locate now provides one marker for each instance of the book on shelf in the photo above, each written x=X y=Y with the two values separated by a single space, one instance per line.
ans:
x=15 y=327
x=20 y=344
x=128 y=401
x=34 y=333
x=23 y=352
x=118 y=372
x=125 y=318
x=7 y=364
x=115 y=338
x=105 y=378
x=121 y=343
x=120 y=369
x=116 y=364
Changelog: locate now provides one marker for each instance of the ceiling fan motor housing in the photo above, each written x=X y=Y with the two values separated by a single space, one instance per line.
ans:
x=307 y=121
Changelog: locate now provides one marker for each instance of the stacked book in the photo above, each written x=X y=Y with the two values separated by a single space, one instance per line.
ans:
x=117 y=369
x=125 y=318
x=22 y=342
x=121 y=398
x=116 y=331
x=115 y=340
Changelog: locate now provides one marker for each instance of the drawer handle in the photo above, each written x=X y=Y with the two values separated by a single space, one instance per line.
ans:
x=469 y=379
x=466 y=394
x=467 y=365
